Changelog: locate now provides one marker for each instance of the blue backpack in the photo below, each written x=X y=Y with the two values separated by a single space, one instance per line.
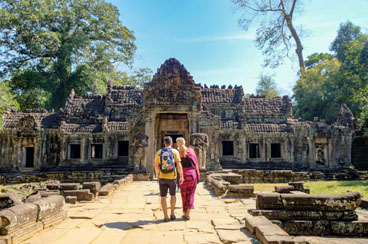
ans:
x=167 y=164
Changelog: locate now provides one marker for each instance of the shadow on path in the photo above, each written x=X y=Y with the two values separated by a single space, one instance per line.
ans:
x=132 y=225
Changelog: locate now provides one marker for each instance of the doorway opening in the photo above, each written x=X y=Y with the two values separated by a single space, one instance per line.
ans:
x=171 y=124
x=174 y=137
x=29 y=157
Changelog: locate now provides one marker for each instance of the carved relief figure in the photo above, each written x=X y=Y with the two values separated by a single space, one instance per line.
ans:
x=140 y=143
x=199 y=141
x=320 y=154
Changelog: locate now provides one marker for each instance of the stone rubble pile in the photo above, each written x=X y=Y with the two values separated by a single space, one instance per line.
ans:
x=46 y=207
x=22 y=221
x=227 y=185
x=304 y=214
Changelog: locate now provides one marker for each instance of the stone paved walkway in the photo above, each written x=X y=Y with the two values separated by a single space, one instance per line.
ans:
x=133 y=215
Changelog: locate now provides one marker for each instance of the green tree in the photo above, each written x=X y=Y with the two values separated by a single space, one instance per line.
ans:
x=58 y=45
x=276 y=30
x=317 y=58
x=347 y=33
x=315 y=92
x=267 y=87
x=332 y=80
x=7 y=100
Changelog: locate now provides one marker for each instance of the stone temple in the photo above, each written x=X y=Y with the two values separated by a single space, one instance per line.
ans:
x=125 y=127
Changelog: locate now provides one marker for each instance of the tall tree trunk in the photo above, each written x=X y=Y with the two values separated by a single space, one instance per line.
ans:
x=299 y=47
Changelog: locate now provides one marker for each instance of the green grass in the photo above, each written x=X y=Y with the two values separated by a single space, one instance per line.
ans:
x=322 y=187
x=337 y=187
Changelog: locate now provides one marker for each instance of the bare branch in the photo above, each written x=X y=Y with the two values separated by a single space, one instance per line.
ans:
x=292 y=8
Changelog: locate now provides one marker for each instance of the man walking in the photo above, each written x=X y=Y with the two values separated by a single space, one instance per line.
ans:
x=167 y=166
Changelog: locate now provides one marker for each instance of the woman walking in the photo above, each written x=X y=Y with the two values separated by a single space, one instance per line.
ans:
x=191 y=174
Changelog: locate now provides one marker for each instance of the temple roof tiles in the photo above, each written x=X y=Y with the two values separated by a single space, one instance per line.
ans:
x=81 y=127
x=264 y=105
x=266 y=128
x=125 y=96
x=43 y=119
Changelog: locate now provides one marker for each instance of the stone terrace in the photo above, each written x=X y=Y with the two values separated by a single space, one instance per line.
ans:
x=133 y=215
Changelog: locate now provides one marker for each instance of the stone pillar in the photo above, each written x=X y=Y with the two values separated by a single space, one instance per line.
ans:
x=311 y=154
x=150 y=151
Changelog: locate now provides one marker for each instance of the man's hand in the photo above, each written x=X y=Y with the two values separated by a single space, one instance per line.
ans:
x=181 y=180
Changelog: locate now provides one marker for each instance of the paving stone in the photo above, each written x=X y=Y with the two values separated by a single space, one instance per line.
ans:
x=200 y=238
x=226 y=224
x=137 y=236
x=232 y=236
x=110 y=236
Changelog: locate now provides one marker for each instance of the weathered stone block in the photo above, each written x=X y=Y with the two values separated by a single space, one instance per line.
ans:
x=341 y=202
x=49 y=193
x=54 y=219
x=71 y=199
x=53 y=187
x=49 y=206
x=240 y=191
x=364 y=203
x=120 y=183
x=232 y=178
x=298 y=227
x=272 y=234
x=106 y=189
x=307 y=227
x=252 y=222
x=349 y=228
x=26 y=232
x=94 y=187
x=284 y=189
x=82 y=195
x=69 y=186
x=18 y=217
x=304 y=215
x=269 y=201
x=298 y=186
x=8 y=200
x=33 y=198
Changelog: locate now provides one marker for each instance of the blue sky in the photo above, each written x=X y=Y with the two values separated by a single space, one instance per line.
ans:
x=204 y=35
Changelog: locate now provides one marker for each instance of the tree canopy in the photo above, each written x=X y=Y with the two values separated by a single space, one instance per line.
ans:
x=276 y=35
x=332 y=80
x=7 y=101
x=50 y=47
x=267 y=87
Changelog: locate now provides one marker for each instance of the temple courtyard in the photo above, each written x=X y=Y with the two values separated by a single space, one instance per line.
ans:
x=133 y=215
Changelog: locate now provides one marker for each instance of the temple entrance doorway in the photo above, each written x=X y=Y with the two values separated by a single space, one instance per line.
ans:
x=171 y=124
x=174 y=137
x=29 y=157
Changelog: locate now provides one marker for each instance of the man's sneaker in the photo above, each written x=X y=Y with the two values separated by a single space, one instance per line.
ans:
x=172 y=217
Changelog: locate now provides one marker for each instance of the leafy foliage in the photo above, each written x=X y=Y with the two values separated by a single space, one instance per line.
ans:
x=7 y=101
x=267 y=87
x=331 y=80
x=50 y=47
x=314 y=92
x=276 y=35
